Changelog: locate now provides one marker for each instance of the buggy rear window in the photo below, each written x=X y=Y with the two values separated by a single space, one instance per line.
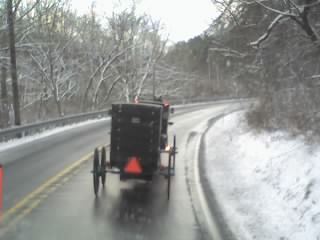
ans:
x=135 y=120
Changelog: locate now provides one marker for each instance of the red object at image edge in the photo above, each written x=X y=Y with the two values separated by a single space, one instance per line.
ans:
x=133 y=166
x=1 y=194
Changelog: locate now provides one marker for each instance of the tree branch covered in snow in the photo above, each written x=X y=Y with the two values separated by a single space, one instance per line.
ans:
x=301 y=17
x=272 y=25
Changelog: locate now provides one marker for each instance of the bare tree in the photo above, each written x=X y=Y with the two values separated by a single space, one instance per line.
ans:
x=4 y=104
x=68 y=63
x=297 y=11
x=13 y=62
x=55 y=55
x=135 y=67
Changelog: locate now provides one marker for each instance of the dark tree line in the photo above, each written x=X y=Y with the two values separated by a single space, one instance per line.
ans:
x=268 y=49
x=278 y=46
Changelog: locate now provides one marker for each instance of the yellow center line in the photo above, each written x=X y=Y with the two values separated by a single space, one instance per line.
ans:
x=31 y=201
x=22 y=203
x=20 y=217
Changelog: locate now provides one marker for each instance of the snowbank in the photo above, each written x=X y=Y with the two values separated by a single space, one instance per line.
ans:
x=267 y=184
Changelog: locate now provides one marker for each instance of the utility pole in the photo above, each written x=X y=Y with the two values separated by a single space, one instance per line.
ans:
x=13 y=63
x=209 y=60
x=217 y=77
x=154 y=81
x=209 y=68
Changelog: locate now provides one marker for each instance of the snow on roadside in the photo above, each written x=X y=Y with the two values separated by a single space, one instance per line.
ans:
x=16 y=142
x=266 y=183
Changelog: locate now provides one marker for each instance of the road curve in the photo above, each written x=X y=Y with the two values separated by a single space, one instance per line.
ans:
x=123 y=210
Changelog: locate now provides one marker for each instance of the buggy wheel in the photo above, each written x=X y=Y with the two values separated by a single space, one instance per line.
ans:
x=169 y=177
x=103 y=166
x=96 y=171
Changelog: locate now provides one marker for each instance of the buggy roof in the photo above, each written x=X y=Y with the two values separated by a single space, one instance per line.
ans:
x=139 y=105
x=153 y=102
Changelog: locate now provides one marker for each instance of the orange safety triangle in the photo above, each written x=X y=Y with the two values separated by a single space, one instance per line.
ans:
x=133 y=166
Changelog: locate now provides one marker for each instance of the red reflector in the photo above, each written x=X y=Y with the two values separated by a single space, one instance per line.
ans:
x=1 y=194
x=133 y=166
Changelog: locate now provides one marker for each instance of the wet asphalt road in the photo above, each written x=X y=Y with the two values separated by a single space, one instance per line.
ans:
x=123 y=210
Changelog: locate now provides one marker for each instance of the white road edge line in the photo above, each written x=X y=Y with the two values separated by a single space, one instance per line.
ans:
x=214 y=231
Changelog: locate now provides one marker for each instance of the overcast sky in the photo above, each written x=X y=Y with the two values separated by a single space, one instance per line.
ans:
x=183 y=19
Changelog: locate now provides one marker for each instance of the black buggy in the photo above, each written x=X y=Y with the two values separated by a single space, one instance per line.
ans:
x=166 y=110
x=137 y=144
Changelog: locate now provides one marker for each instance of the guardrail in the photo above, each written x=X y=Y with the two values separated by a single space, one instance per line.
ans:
x=30 y=129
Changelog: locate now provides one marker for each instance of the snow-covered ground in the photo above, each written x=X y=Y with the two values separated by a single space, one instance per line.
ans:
x=47 y=133
x=268 y=185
